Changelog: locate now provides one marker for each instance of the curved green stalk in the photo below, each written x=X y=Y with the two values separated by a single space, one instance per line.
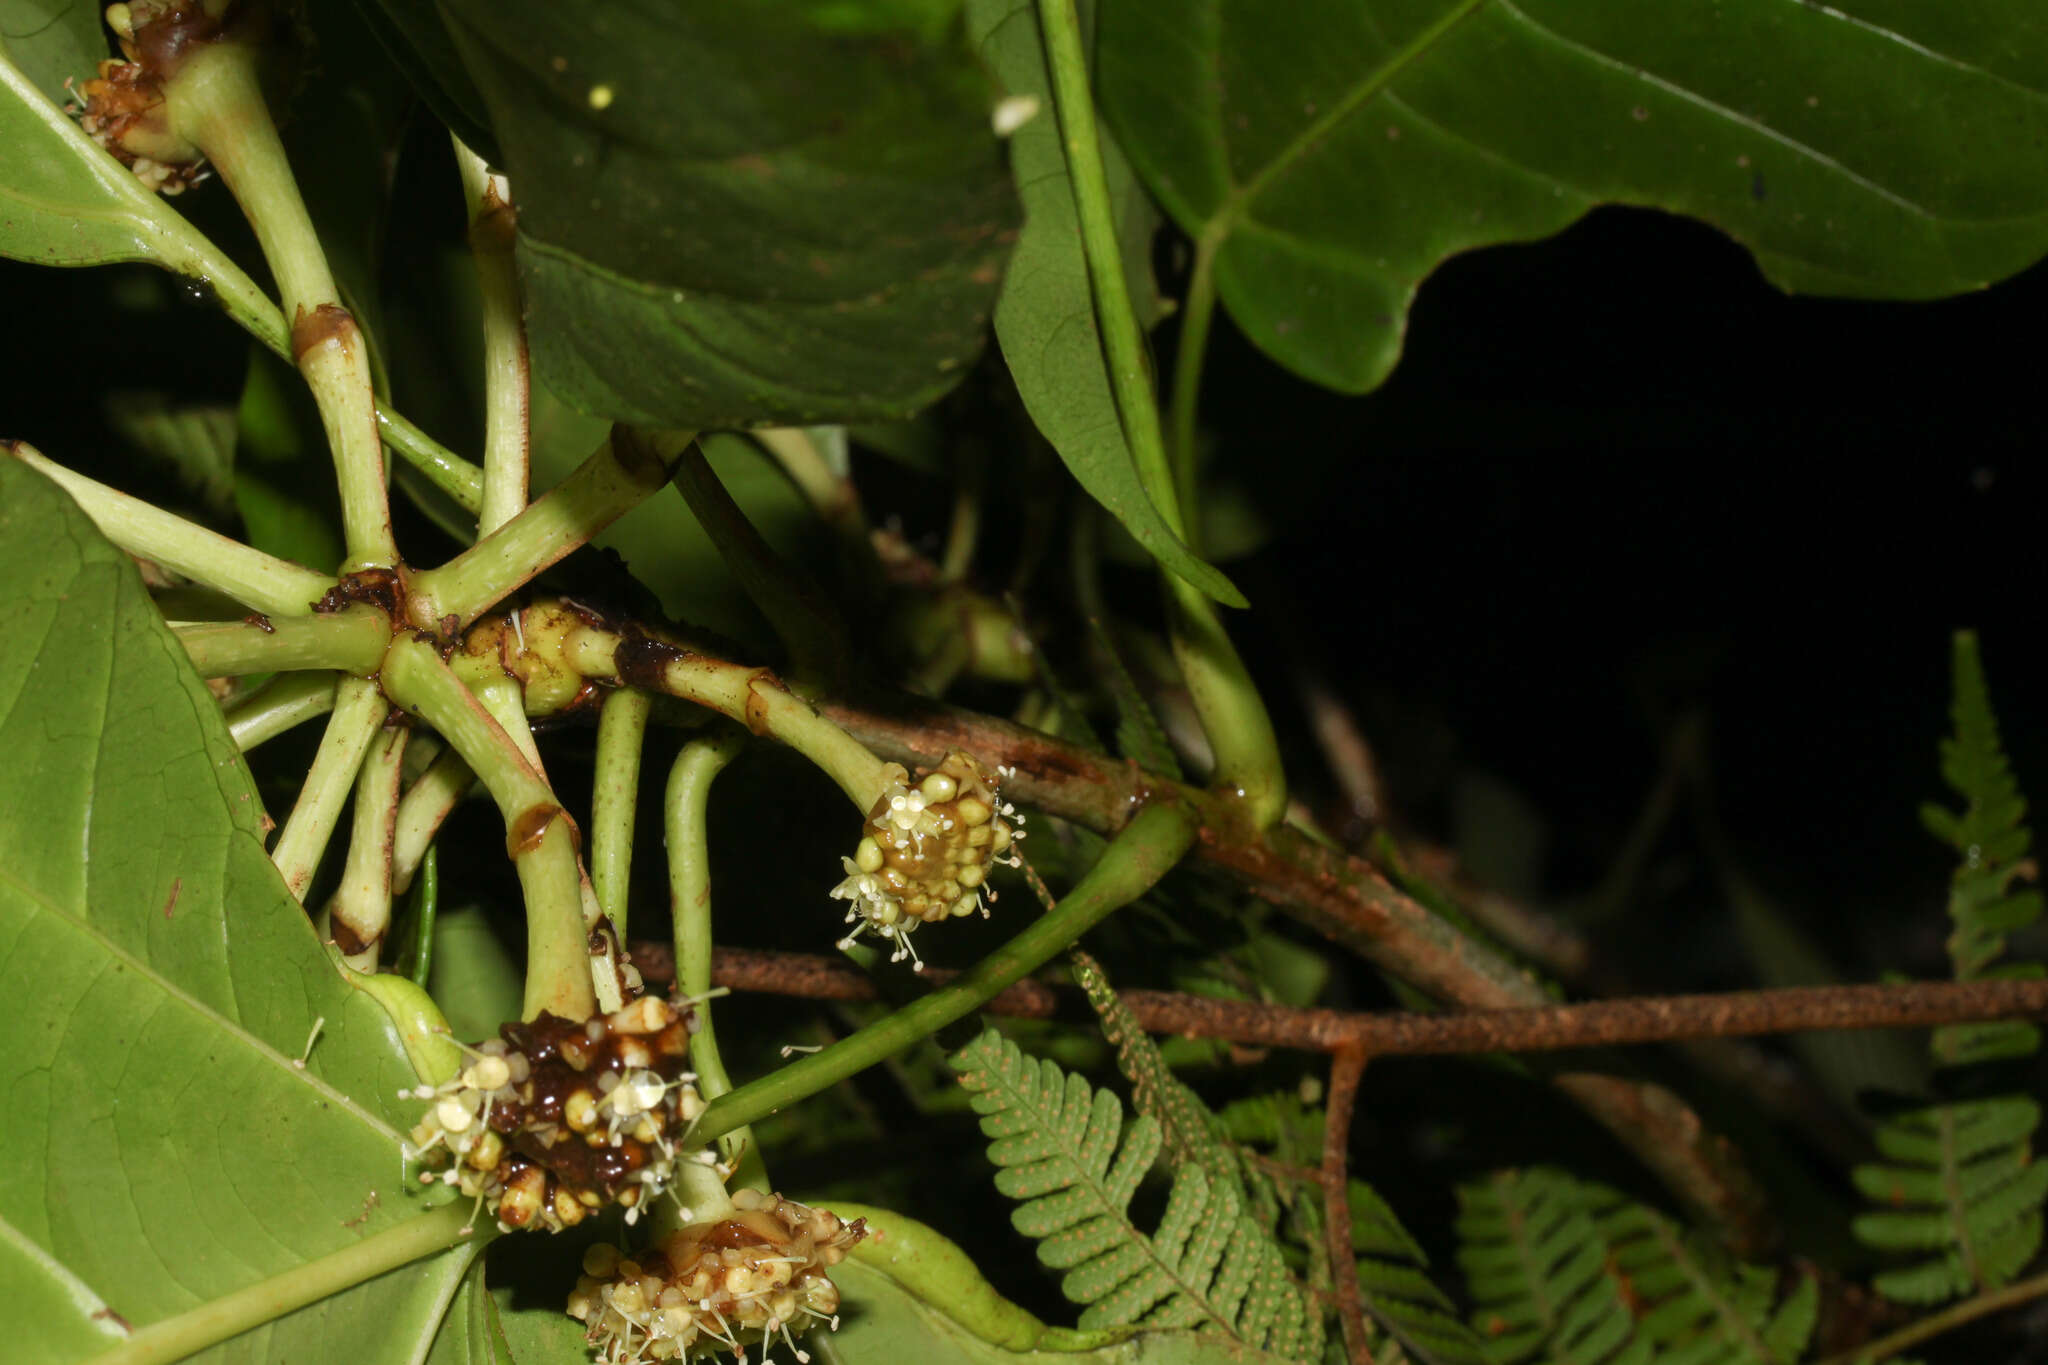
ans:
x=351 y=640
x=446 y=470
x=191 y=1332
x=507 y=386
x=1232 y=713
x=754 y=697
x=1934 y=1324
x=616 y=478
x=810 y=631
x=421 y=810
x=215 y=101
x=359 y=708
x=538 y=834
x=274 y=586
x=689 y=896
x=361 y=905
x=1136 y=859
x=417 y=961
x=614 y=796
x=279 y=705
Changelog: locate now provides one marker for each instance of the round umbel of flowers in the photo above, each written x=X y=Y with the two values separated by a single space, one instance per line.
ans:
x=555 y=1119
x=757 y=1275
x=926 y=852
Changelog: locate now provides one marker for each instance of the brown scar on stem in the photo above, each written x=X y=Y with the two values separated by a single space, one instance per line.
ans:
x=329 y=322
x=177 y=885
x=526 y=831
x=757 y=703
x=641 y=662
x=260 y=621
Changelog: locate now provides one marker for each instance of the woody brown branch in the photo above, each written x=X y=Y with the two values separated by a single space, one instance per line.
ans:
x=1648 y=1019
x=1345 y=899
x=1345 y=1070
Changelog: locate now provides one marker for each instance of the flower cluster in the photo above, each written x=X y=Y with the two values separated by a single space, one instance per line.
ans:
x=555 y=1119
x=926 y=852
x=757 y=1275
x=123 y=104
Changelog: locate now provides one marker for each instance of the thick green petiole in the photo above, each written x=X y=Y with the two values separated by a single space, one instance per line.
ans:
x=215 y=101
x=618 y=476
x=1136 y=859
x=351 y=640
x=507 y=388
x=614 y=795
x=278 y=706
x=754 y=697
x=539 y=837
x=426 y=803
x=264 y=582
x=1233 y=716
x=359 y=708
x=360 y=912
x=689 y=895
x=191 y=1332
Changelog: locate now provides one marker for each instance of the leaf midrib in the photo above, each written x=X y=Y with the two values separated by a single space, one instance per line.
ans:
x=178 y=995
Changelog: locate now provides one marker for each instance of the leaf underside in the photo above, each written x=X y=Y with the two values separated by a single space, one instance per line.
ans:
x=157 y=983
x=1334 y=153
x=740 y=214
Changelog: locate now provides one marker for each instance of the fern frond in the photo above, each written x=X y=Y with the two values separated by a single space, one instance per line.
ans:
x=1191 y=1134
x=1538 y=1273
x=1694 y=1306
x=1063 y=1149
x=1139 y=735
x=1990 y=837
x=1959 y=1180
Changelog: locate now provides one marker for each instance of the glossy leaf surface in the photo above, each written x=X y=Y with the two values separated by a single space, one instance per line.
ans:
x=1332 y=153
x=157 y=986
x=815 y=233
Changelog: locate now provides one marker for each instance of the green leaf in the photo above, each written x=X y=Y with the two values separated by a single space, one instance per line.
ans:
x=1045 y=318
x=65 y=201
x=157 y=983
x=1332 y=153
x=814 y=234
x=420 y=46
x=53 y=41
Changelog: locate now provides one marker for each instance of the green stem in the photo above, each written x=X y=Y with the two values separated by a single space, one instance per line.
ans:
x=1196 y=312
x=689 y=898
x=446 y=470
x=808 y=628
x=614 y=796
x=361 y=905
x=191 y=1332
x=538 y=833
x=421 y=811
x=1934 y=1324
x=505 y=699
x=417 y=962
x=754 y=697
x=270 y=585
x=1136 y=859
x=507 y=386
x=351 y=640
x=359 y=708
x=616 y=478
x=1232 y=713
x=278 y=706
x=215 y=101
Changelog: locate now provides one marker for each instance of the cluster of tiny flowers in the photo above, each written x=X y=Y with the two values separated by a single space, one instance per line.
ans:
x=757 y=1275
x=926 y=851
x=121 y=108
x=555 y=1119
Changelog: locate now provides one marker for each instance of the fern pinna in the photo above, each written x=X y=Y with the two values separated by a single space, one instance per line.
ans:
x=1959 y=1186
x=1573 y=1273
x=1063 y=1149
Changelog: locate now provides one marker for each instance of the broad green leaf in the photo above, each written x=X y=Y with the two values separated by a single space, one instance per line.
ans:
x=158 y=984
x=745 y=213
x=71 y=1322
x=420 y=46
x=65 y=201
x=1045 y=317
x=1333 y=152
x=53 y=41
